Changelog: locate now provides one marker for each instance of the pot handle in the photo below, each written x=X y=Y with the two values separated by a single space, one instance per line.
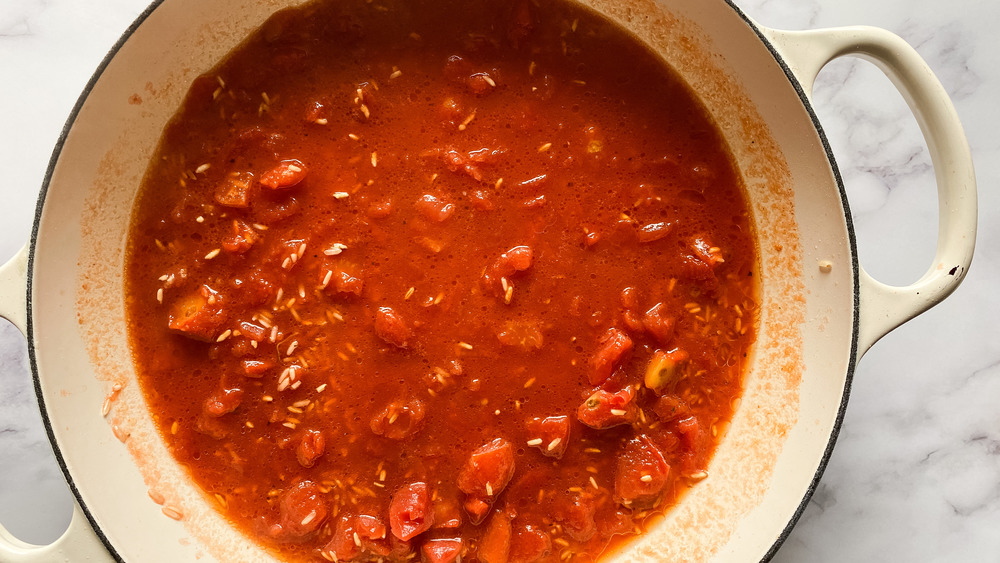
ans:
x=14 y=290
x=79 y=542
x=885 y=307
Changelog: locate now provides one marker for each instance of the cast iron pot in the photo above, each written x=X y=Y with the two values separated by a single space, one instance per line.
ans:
x=819 y=310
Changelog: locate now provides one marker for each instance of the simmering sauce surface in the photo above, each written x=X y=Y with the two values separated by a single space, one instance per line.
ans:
x=441 y=281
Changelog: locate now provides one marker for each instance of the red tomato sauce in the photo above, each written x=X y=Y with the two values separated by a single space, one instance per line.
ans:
x=441 y=280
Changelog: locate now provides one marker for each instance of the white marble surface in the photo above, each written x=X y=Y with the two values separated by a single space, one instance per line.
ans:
x=916 y=474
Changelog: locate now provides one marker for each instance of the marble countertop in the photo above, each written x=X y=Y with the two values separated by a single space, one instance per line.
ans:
x=916 y=473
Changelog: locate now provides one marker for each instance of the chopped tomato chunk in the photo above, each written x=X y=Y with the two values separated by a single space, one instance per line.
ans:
x=224 y=402
x=641 y=475
x=494 y=546
x=253 y=331
x=257 y=368
x=390 y=327
x=468 y=162
x=529 y=544
x=670 y=407
x=576 y=511
x=477 y=508
x=285 y=175
x=442 y=550
x=380 y=209
x=654 y=232
x=629 y=298
x=272 y=210
x=612 y=519
x=711 y=255
x=450 y=111
x=199 y=315
x=690 y=431
x=343 y=278
x=241 y=238
x=410 y=511
x=310 y=448
x=523 y=334
x=255 y=287
x=480 y=199
x=399 y=420
x=342 y=546
x=302 y=510
x=550 y=435
x=613 y=349
x=317 y=112
x=481 y=83
x=606 y=410
x=485 y=475
x=356 y=536
x=658 y=323
x=434 y=208
x=447 y=512
x=498 y=274
x=234 y=191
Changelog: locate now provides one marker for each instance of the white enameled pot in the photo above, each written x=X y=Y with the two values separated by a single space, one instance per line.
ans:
x=820 y=311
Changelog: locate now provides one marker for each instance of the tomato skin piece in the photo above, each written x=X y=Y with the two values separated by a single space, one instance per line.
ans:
x=485 y=475
x=613 y=349
x=442 y=550
x=410 y=512
x=224 y=402
x=287 y=174
x=641 y=474
x=399 y=420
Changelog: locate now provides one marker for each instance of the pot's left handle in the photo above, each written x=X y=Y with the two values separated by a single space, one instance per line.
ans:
x=79 y=542
x=14 y=290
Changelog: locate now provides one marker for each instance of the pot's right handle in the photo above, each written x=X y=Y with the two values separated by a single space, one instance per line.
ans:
x=885 y=307
x=79 y=542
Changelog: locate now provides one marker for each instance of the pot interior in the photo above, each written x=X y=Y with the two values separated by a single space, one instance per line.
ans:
x=796 y=383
